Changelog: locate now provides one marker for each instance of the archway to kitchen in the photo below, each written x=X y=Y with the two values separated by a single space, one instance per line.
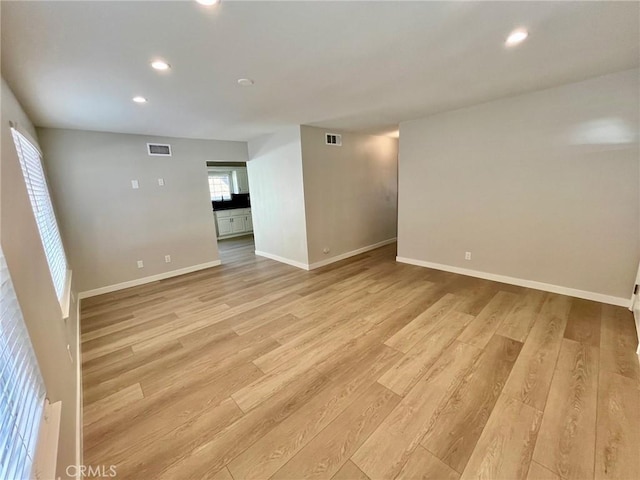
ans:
x=231 y=210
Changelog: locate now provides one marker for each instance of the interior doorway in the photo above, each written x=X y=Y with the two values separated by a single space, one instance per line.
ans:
x=231 y=207
x=237 y=250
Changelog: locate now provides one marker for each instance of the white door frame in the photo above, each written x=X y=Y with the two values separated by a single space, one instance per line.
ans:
x=635 y=307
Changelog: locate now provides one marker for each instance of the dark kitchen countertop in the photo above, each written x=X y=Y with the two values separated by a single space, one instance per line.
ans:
x=238 y=200
x=227 y=207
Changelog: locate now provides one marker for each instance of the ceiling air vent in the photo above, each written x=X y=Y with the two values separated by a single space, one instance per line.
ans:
x=159 y=149
x=333 y=139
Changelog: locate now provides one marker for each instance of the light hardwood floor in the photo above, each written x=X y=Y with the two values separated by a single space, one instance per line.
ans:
x=363 y=369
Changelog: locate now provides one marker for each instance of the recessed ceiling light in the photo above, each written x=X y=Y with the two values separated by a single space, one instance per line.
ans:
x=139 y=99
x=160 y=65
x=208 y=3
x=245 y=82
x=516 y=37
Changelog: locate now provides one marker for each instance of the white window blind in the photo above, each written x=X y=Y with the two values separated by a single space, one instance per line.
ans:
x=22 y=391
x=34 y=178
x=220 y=186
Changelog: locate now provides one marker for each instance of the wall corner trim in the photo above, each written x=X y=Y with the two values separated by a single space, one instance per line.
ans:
x=352 y=253
x=46 y=455
x=547 y=287
x=280 y=259
x=144 y=280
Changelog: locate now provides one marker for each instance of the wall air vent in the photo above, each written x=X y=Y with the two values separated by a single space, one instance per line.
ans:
x=333 y=139
x=159 y=149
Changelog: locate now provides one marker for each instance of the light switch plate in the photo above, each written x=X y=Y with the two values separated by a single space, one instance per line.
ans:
x=134 y=184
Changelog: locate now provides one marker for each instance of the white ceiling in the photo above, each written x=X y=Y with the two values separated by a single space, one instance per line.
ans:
x=361 y=66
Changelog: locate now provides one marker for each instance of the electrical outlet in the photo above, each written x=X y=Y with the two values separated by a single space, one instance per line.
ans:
x=161 y=182
x=167 y=259
x=326 y=250
x=467 y=255
x=134 y=184
x=140 y=264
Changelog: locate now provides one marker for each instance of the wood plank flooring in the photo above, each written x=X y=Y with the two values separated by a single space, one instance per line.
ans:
x=364 y=369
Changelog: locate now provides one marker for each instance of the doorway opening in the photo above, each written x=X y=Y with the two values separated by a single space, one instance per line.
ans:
x=231 y=208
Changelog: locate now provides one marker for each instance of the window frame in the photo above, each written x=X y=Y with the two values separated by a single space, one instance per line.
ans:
x=214 y=173
x=22 y=388
x=21 y=140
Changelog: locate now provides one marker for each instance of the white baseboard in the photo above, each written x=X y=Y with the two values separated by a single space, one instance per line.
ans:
x=142 y=281
x=79 y=405
x=280 y=259
x=635 y=308
x=234 y=235
x=547 y=287
x=322 y=263
x=352 y=253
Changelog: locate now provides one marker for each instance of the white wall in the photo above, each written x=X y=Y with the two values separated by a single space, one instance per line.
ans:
x=108 y=226
x=277 y=196
x=542 y=186
x=29 y=270
x=350 y=191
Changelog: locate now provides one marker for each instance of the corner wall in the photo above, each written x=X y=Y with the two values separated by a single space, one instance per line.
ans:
x=34 y=288
x=540 y=187
x=350 y=192
x=277 y=197
x=108 y=226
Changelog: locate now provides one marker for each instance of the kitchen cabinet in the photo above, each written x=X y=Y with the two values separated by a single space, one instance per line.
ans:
x=248 y=222
x=238 y=224
x=234 y=222
x=241 y=180
x=224 y=226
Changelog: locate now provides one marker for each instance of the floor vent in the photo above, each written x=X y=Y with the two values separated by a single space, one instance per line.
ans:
x=159 y=149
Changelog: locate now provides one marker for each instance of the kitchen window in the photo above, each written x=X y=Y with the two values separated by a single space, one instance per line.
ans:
x=220 y=186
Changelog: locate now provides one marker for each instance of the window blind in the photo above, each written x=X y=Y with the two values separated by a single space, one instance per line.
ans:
x=31 y=163
x=22 y=391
